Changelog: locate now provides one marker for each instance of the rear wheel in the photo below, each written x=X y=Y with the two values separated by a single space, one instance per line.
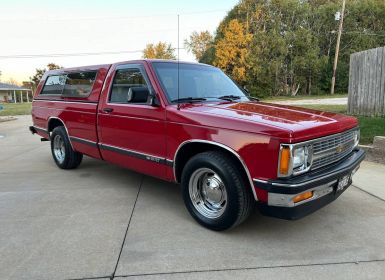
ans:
x=215 y=191
x=63 y=154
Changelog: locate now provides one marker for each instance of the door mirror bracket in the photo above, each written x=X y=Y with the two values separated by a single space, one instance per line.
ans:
x=154 y=101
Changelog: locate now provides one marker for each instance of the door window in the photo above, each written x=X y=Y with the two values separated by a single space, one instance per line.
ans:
x=124 y=80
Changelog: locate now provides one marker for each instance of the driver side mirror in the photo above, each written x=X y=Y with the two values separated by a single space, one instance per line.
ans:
x=141 y=95
x=138 y=95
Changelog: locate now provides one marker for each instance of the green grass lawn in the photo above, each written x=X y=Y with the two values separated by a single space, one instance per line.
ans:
x=12 y=109
x=342 y=109
x=370 y=126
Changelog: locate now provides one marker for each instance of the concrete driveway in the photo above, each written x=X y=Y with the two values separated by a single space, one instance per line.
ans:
x=101 y=221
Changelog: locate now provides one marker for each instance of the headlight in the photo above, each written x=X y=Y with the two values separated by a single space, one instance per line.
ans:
x=294 y=160
x=298 y=157
x=356 y=137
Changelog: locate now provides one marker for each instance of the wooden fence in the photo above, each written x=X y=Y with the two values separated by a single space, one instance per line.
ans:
x=367 y=83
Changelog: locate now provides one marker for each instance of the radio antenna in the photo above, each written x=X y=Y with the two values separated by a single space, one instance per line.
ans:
x=178 y=106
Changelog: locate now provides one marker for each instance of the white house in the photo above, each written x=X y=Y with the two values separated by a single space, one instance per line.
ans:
x=12 y=93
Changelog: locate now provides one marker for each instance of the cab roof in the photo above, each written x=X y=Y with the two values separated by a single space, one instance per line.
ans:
x=97 y=67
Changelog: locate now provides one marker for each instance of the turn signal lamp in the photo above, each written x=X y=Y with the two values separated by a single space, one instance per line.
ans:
x=284 y=161
x=302 y=196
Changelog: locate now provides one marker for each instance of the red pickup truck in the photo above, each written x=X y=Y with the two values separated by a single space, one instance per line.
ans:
x=189 y=123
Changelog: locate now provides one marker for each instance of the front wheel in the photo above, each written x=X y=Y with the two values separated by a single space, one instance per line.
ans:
x=215 y=191
x=63 y=154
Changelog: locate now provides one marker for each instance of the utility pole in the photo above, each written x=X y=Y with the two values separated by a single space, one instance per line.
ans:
x=337 y=47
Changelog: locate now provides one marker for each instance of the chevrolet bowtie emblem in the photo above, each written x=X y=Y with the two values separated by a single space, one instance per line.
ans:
x=339 y=148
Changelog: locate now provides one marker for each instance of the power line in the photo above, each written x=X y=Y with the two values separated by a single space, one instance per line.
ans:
x=26 y=56
x=65 y=54
x=115 y=18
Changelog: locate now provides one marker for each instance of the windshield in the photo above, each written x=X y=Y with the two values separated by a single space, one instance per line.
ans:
x=195 y=81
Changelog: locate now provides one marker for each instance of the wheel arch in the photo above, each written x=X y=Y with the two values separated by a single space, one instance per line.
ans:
x=189 y=148
x=54 y=122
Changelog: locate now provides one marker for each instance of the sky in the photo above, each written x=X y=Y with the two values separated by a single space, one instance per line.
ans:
x=49 y=27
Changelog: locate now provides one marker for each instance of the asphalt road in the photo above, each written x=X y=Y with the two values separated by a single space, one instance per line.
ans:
x=100 y=221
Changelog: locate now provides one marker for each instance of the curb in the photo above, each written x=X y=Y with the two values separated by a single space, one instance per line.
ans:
x=373 y=153
x=7 y=119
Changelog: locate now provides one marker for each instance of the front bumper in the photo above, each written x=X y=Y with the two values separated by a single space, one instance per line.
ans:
x=323 y=183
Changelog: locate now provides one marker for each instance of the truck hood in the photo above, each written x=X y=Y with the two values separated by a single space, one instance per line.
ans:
x=300 y=123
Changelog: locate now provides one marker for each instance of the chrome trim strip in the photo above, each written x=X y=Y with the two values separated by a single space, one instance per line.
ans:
x=170 y=162
x=135 y=154
x=304 y=183
x=66 y=101
x=294 y=185
x=83 y=141
x=49 y=132
x=222 y=146
x=286 y=200
x=260 y=181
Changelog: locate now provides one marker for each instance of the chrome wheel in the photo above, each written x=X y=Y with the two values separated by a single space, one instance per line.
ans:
x=208 y=193
x=58 y=148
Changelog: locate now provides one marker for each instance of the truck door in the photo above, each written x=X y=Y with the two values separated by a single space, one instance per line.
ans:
x=132 y=131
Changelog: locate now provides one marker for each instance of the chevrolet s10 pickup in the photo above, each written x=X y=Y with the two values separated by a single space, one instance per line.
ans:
x=191 y=124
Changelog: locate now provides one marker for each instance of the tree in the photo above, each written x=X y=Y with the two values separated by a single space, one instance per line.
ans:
x=199 y=43
x=12 y=81
x=160 y=50
x=53 y=66
x=231 y=50
x=284 y=56
x=35 y=79
x=27 y=84
x=288 y=46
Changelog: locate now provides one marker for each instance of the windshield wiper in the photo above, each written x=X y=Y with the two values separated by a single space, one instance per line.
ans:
x=188 y=99
x=229 y=97
x=253 y=98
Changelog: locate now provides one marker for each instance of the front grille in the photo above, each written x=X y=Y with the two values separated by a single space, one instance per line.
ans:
x=332 y=148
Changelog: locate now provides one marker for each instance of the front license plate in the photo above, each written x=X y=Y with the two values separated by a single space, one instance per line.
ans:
x=343 y=182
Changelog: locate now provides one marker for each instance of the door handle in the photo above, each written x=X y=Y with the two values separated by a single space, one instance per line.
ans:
x=108 y=110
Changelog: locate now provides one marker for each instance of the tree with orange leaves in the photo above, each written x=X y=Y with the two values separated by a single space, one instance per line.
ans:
x=232 y=50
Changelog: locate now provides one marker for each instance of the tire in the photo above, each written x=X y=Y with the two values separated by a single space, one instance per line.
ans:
x=63 y=154
x=215 y=191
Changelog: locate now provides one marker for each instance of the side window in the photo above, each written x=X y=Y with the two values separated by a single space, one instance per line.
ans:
x=79 y=84
x=54 y=85
x=129 y=86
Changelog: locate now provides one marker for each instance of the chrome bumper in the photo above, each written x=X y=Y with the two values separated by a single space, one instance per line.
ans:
x=323 y=183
